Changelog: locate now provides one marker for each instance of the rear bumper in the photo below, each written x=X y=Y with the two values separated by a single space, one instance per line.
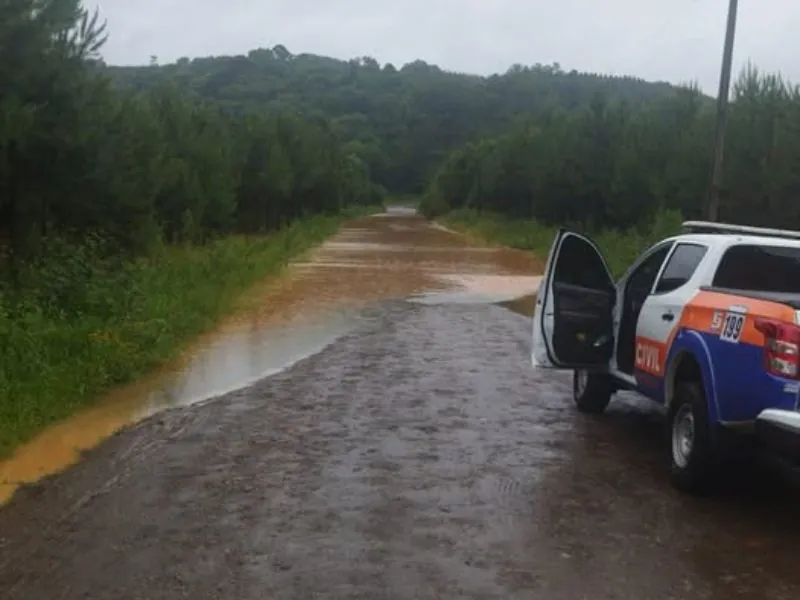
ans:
x=779 y=430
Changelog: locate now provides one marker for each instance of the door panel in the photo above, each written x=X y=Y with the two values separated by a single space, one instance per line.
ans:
x=573 y=324
x=637 y=287
x=660 y=316
x=583 y=331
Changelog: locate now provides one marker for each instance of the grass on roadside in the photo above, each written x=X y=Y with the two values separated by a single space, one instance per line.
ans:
x=83 y=325
x=620 y=247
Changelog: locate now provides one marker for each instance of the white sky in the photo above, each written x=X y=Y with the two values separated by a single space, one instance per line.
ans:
x=672 y=40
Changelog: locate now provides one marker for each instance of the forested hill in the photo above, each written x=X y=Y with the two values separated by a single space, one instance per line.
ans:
x=404 y=121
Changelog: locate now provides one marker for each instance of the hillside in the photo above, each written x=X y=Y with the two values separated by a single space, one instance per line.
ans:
x=402 y=121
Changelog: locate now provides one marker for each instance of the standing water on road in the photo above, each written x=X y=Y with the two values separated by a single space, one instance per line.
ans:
x=417 y=456
x=391 y=255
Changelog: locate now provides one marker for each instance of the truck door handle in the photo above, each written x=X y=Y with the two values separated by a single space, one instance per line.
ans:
x=668 y=316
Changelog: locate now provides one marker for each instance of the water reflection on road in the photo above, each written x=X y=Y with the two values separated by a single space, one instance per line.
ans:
x=420 y=457
x=393 y=255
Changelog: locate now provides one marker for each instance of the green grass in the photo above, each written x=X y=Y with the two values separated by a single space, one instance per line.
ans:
x=620 y=247
x=84 y=325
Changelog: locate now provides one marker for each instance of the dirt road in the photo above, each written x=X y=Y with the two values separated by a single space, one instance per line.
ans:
x=418 y=456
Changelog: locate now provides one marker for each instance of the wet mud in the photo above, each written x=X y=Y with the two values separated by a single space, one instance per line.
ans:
x=416 y=456
x=392 y=255
x=419 y=456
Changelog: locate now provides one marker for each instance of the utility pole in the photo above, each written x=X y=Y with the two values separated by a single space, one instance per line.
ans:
x=722 y=113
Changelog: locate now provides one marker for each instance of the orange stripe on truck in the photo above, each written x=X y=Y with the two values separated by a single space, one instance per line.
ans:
x=705 y=313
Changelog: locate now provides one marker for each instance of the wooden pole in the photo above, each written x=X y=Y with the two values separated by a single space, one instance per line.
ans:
x=722 y=113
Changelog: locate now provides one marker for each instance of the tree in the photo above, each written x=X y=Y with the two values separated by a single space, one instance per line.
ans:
x=80 y=157
x=413 y=117
x=618 y=164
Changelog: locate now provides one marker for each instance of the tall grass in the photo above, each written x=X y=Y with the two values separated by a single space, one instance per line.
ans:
x=620 y=247
x=78 y=323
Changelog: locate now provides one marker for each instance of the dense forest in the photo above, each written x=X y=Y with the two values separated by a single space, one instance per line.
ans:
x=79 y=155
x=401 y=121
x=536 y=142
x=616 y=165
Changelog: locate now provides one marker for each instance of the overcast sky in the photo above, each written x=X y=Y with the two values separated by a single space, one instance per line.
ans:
x=672 y=40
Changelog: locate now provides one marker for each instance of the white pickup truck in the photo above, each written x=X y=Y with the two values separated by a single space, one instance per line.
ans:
x=706 y=323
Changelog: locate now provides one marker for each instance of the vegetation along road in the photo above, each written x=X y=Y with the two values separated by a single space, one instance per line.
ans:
x=365 y=423
x=416 y=456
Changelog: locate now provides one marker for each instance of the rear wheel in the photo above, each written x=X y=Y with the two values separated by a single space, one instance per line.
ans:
x=591 y=391
x=691 y=448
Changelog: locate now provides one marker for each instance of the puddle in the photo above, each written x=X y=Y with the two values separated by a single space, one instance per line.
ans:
x=234 y=357
x=462 y=297
x=513 y=286
x=523 y=306
x=243 y=355
x=515 y=292
x=393 y=255
x=459 y=297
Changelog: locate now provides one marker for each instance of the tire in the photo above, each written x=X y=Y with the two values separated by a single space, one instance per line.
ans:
x=591 y=391
x=693 y=460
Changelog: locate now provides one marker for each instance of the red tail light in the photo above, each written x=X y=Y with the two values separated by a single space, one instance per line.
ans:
x=781 y=347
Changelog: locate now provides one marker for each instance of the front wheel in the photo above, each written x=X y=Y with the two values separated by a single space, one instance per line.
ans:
x=591 y=391
x=691 y=447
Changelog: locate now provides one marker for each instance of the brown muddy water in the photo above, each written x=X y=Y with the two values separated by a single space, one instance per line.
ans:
x=392 y=255
x=418 y=455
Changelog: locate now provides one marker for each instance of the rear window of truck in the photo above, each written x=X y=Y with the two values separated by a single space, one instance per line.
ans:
x=760 y=268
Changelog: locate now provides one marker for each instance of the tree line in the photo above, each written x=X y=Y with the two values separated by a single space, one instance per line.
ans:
x=80 y=155
x=402 y=120
x=619 y=164
x=201 y=148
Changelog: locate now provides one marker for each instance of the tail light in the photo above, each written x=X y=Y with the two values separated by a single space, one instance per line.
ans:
x=781 y=347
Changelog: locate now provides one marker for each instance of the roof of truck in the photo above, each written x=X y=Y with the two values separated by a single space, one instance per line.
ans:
x=727 y=234
x=726 y=239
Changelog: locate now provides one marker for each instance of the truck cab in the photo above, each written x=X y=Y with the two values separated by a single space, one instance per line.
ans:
x=704 y=323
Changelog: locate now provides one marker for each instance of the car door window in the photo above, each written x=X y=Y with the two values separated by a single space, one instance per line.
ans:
x=644 y=276
x=765 y=268
x=580 y=265
x=580 y=302
x=681 y=266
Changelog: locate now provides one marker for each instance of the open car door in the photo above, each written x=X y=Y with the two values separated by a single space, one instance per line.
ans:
x=573 y=324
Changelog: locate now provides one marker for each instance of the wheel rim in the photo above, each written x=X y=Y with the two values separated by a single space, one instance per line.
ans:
x=683 y=436
x=581 y=382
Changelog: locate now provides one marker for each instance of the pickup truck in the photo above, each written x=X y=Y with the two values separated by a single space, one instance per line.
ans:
x=706 y=324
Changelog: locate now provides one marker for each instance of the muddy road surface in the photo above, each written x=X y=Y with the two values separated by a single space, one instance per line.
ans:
x=387 y=256
x=417 y=456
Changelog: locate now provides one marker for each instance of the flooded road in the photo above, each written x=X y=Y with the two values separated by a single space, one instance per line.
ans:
x=416 y=456
x=388 y=256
